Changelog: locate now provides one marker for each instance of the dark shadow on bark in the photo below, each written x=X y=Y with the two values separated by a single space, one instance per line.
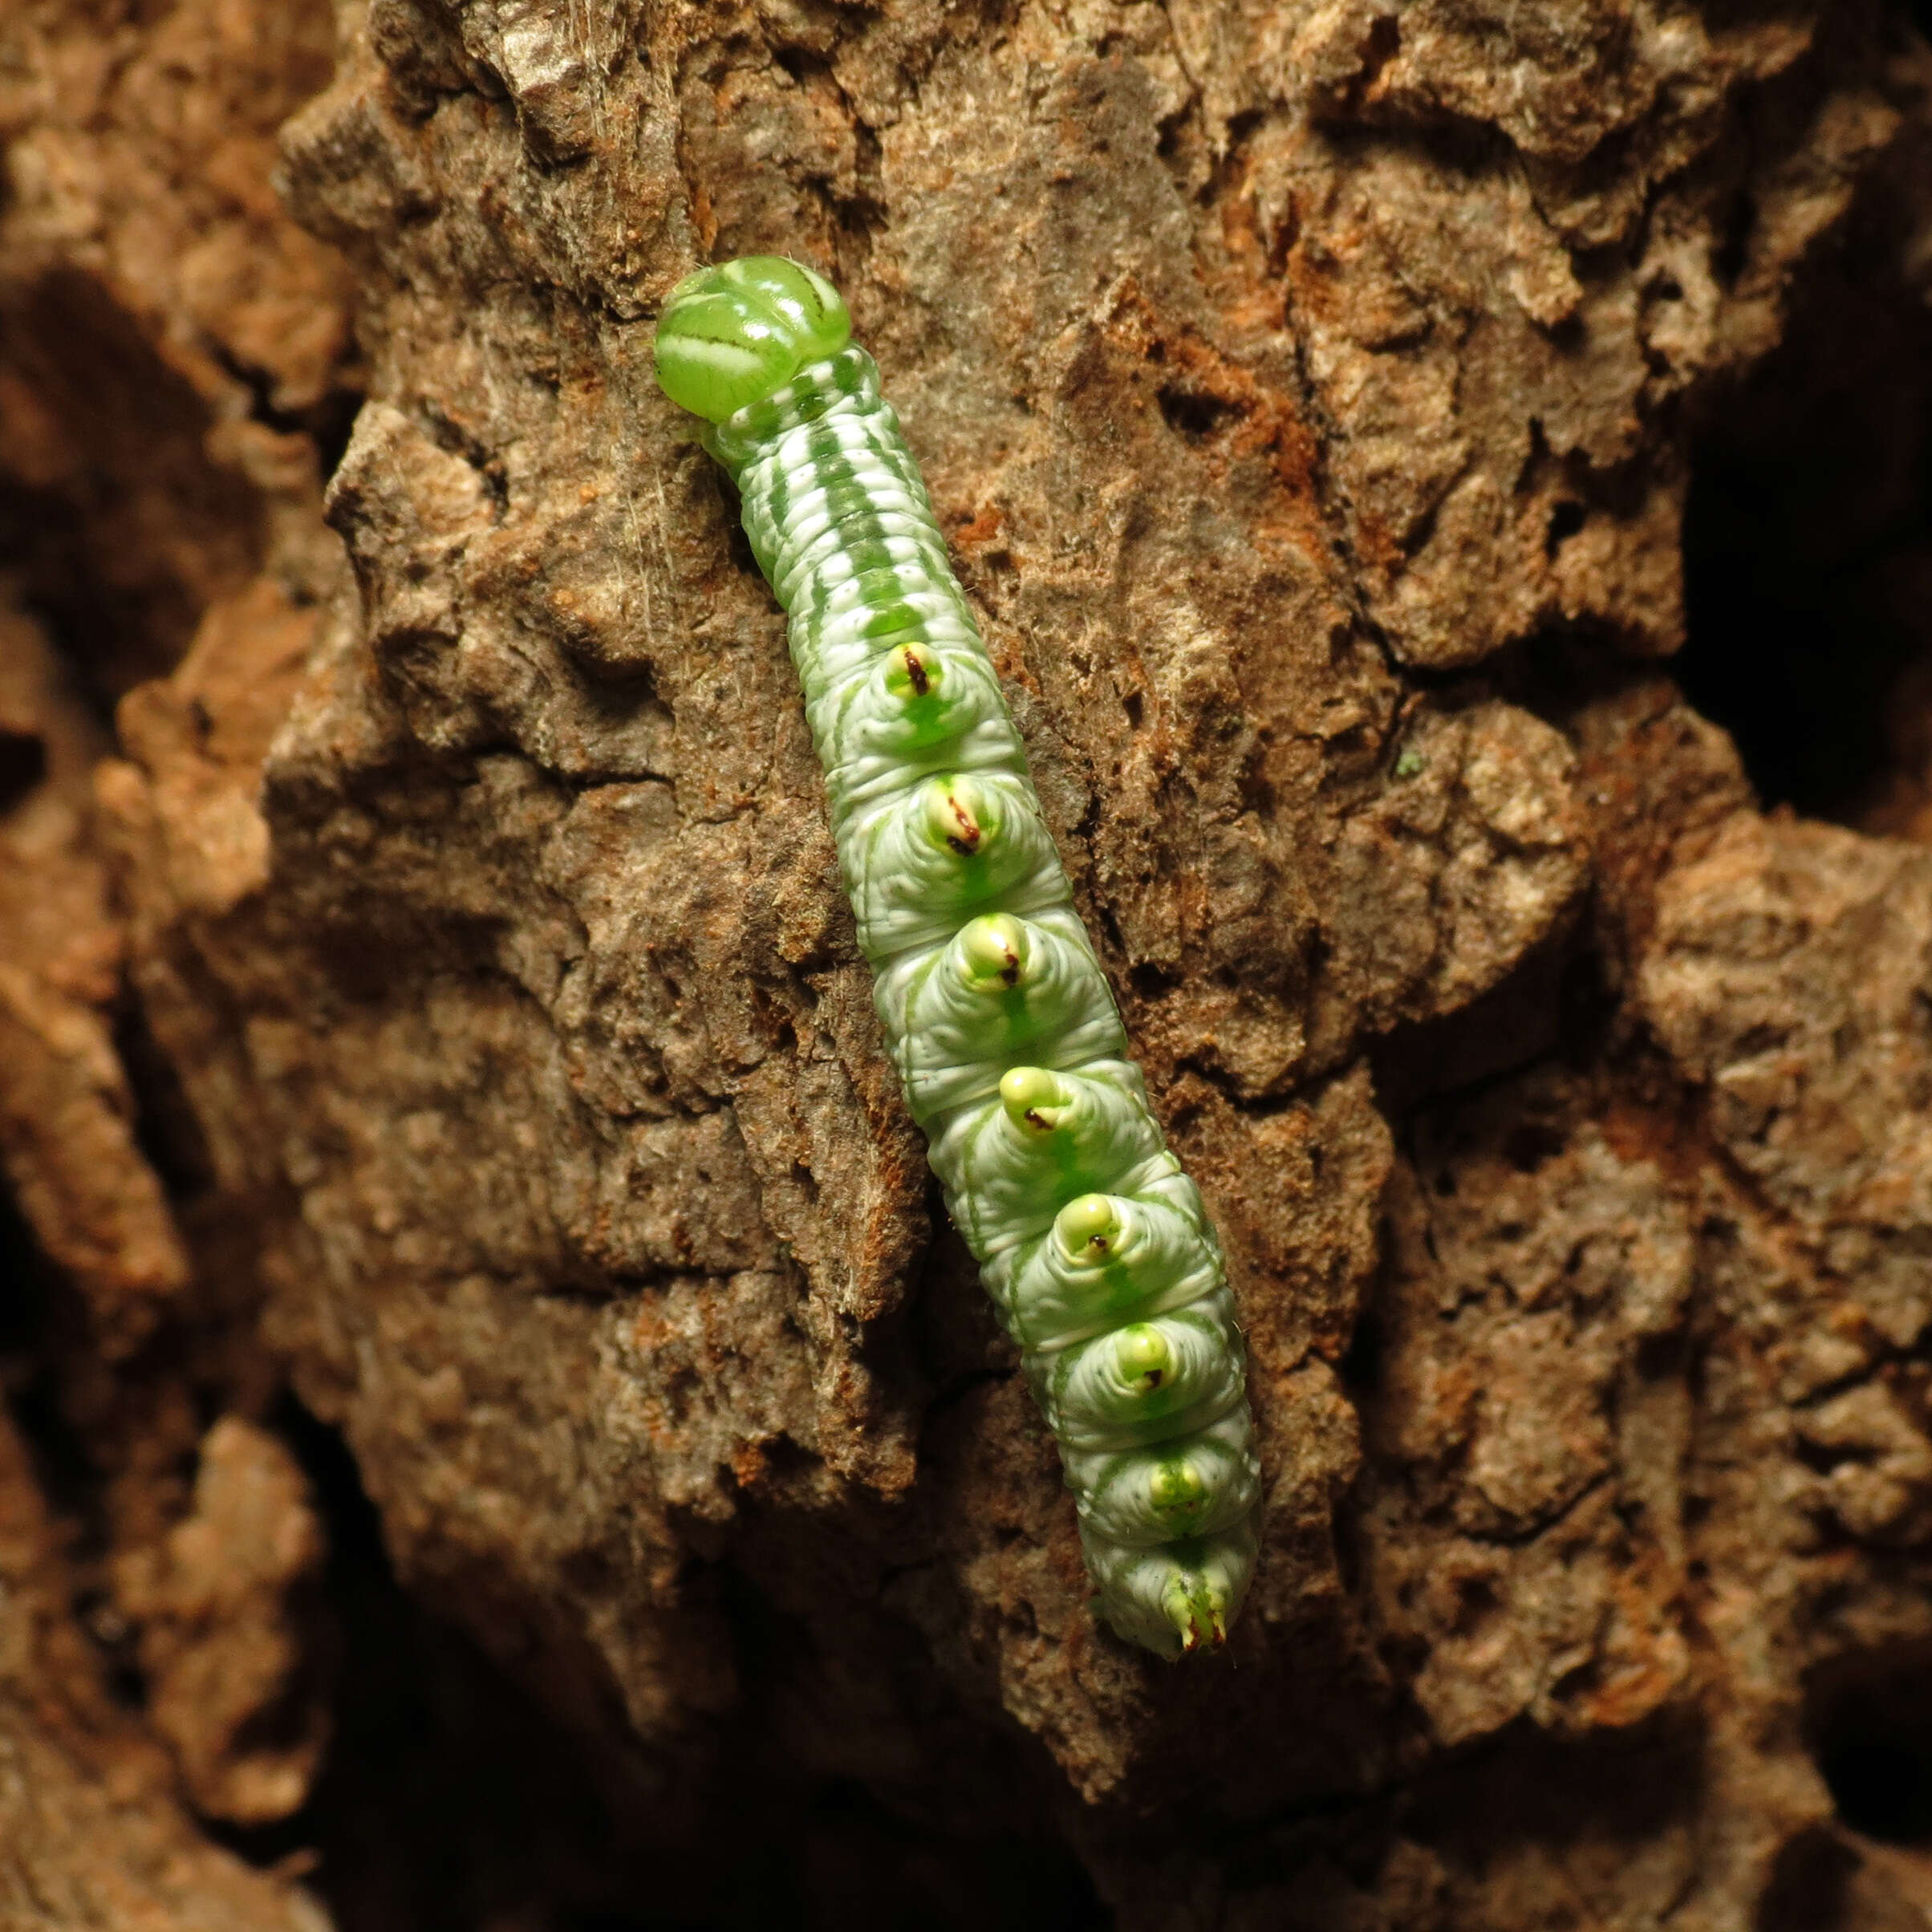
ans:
x=450 y=1801
x=1808 y=547
x=1869 y=1724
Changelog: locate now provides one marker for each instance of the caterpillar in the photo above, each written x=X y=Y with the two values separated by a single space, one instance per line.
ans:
x=1094 y=1246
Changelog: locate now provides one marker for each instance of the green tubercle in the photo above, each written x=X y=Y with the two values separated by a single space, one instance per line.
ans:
x=958 y=814
x=1143 y=1356
x=913 y=672
x=1178 y=1489
x=1089 y=1228
x=1036 y=1102
x=993 y=950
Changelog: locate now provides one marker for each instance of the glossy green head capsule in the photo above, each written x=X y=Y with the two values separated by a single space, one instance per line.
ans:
x=731 y=335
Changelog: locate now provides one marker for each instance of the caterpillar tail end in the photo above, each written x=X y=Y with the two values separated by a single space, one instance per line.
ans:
x=1198 y=1612
x=1178 y=1600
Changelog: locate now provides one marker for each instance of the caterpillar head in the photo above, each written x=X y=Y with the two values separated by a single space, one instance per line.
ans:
x=731 y=335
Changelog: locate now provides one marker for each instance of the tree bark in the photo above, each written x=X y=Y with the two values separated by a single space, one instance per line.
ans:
x=430 y=1027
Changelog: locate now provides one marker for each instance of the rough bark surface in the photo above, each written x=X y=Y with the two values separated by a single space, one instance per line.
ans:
x=430 y=1024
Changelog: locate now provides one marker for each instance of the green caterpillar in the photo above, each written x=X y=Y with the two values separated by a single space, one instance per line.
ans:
x=1094 y=1245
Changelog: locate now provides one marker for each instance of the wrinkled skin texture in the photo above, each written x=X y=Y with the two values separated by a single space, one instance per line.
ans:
x=455 y=1017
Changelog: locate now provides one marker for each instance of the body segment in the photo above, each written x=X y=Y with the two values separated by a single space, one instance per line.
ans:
x=1094 y=1245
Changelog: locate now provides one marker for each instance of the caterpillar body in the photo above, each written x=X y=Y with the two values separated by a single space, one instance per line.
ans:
x=1094 y=1246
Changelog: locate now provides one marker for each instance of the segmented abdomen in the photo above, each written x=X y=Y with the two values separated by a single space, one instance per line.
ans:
x=1094 y=1245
